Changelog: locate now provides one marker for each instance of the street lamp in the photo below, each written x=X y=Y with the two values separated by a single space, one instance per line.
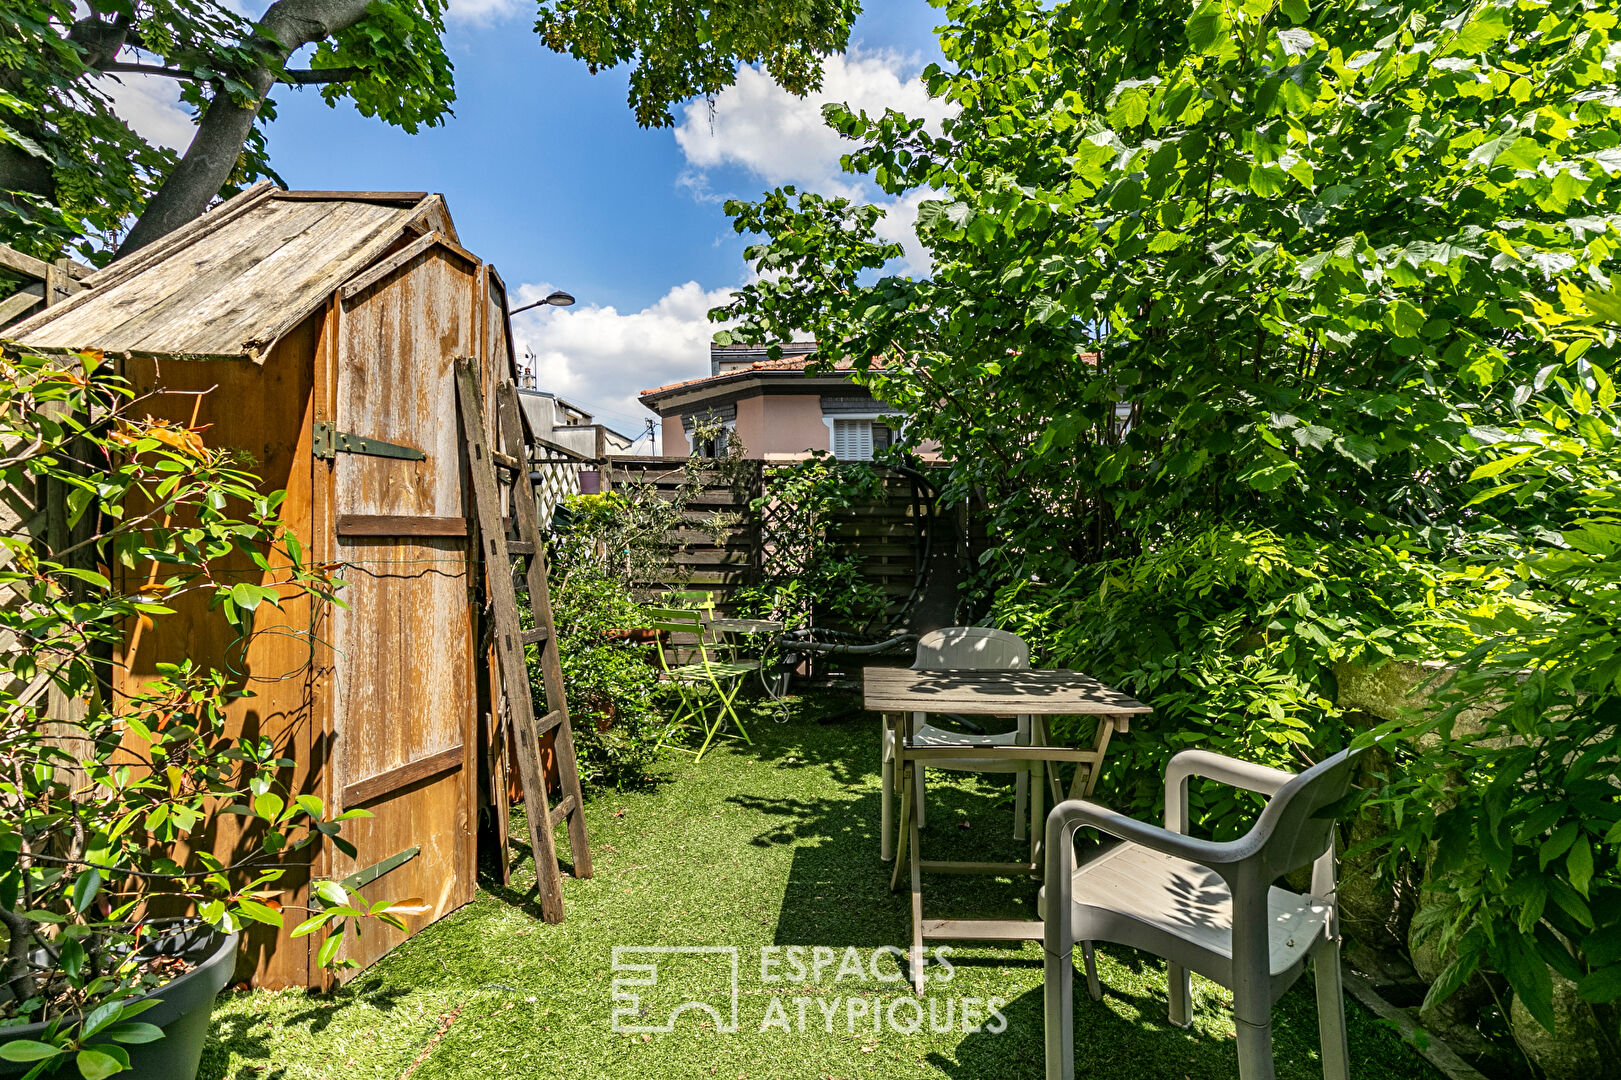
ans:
x=556 y=299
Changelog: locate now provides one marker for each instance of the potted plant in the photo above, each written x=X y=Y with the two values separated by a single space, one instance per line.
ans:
x=119 y=925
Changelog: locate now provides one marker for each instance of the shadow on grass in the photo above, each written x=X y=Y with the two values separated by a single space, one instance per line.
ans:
x=247 y=1035
x=1127 y=1035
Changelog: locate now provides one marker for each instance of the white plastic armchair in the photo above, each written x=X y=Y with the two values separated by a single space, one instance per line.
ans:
x=1204 y=906
x=962 y=648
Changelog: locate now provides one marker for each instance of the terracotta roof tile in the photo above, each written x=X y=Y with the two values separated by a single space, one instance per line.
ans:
x=785 y=363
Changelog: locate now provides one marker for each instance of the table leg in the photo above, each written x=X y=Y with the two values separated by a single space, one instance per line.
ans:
x=1078 y=789
x=917 y=910
x=886 y=826
x=906 y=825
x=1055 y=784
x=1038 y=813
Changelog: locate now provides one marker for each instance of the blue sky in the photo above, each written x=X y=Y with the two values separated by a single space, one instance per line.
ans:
x=549 y=178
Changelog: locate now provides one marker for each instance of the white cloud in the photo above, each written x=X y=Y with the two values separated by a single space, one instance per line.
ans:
x=601 y=358
x=782 y=139
x=150 y=104
x=778 y=138
x=482 y=11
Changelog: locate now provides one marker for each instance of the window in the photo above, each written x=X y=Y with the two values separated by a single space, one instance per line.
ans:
x=855 y=440
x=714 y=446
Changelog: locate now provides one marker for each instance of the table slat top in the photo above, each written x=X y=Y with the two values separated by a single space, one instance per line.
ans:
x=1050 y=692
x=744 y=626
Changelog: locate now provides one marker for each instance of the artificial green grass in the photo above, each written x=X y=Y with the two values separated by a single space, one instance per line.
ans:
x=774 y=844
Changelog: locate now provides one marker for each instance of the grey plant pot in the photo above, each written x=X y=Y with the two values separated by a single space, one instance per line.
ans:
x=183 y=1010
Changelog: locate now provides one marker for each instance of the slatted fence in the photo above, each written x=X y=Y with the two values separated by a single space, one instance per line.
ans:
x=890 y=535
x=716 y=545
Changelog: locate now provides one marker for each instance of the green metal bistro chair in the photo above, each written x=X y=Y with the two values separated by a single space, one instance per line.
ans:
x=695 y=679
x=694 y=599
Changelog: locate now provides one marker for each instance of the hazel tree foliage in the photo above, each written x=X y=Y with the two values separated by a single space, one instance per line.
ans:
x=1196 y=261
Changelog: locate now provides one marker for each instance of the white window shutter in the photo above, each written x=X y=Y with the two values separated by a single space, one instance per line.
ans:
x=852 y=440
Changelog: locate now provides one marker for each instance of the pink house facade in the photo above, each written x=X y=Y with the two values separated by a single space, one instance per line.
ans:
x=779 y=410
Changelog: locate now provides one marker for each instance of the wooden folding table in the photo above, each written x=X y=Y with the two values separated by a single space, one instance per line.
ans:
x=896 y=692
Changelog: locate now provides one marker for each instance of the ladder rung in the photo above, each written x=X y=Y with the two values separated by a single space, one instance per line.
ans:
x=506 y=461
x=547 y=722
x=562 y=809
x=535 y=636
x=520 y=547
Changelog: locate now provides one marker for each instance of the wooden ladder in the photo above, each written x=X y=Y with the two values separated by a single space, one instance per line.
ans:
x=496 y=473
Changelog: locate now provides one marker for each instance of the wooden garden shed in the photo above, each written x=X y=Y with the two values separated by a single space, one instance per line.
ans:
x=316 y=331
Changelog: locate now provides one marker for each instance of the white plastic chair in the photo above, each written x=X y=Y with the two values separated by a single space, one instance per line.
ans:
x=1204 y=906
x=962 y=648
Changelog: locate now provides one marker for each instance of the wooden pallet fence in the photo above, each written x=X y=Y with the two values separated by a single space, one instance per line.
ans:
x=719 y=561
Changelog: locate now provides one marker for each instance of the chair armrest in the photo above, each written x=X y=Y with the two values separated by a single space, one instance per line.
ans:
x=1262 y=779
x=1069 y=817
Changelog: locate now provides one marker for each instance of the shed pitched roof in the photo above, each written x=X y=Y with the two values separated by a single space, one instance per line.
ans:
x=231 y=283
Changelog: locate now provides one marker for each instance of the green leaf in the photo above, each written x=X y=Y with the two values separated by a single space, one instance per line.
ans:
x=1528 y=974
x=258 y=912
x=135 y=1033
x=1522 y=153
x=1129 y=109
x=101 y=1062
x=101 y=1017
x=1601 y=987
x=1405 y=319
x=310 y=925
x=1579 y=864
x=1209 y=29
x=329 y=948
x=27 y=1050
x=1489 y=24
x=1501 y=465
x=1312 y=436
x=85 y=887
x=268 y=806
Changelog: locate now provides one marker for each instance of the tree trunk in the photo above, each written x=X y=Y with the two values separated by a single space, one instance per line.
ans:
x=287 y=26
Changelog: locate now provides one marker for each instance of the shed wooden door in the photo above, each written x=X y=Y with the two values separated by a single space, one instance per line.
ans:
x=404 y=687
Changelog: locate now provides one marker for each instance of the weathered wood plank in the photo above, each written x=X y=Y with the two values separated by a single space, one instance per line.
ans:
x=395 y=780
x=387 y=266
x=410 y=198
x=401 y=525
x=12 y=259
x=981 y=929
x=23 y=300
x=175 y=287
x=189 y=233
x=1048 y=692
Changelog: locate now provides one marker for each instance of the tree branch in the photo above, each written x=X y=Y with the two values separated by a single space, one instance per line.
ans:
x=226 y=123
x=316 y=76
x=150 y=69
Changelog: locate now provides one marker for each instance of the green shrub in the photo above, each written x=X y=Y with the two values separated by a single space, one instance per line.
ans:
x=1515 y=805
x=613 y=689
x=1232 y=636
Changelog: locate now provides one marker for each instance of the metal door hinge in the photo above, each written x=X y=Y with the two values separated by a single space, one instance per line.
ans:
x=330 y=442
